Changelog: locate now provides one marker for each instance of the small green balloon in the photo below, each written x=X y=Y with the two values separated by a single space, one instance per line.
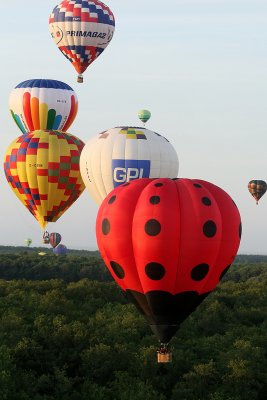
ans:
x=28 y=242
x=144 y=115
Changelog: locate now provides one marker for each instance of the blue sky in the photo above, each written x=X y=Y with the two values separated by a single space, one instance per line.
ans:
x=199 y=66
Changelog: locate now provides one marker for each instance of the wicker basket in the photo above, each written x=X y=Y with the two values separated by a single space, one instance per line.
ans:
x=164 y=357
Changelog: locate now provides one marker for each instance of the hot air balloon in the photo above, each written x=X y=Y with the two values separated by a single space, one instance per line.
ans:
x=144 y=115
x=42 y=169
x=28 y=242
x=43 y=104
x=122 y=154
x=257 y=188
x=167 y=244
x=81 y=29
x=46 y=237
x=55 y=239
x=60 y=250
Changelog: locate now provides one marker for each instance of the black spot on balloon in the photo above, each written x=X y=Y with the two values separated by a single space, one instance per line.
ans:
x=158 y=184
x=117 y=269
x=154 y=200
x=112 y=199
x=209 y=229
x=126 y=184
x=152 y=227
x=197 y=185
x=206 y=201
x=175 y=179
x=155 y=271
x=199 y=272
x=105 y=226
x=240 y=230
x=224 y=272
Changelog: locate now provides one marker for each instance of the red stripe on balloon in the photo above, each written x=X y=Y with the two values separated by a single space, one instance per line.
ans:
x=77 y=12
x=72 y=114
x=70 y=7
x=27 y=110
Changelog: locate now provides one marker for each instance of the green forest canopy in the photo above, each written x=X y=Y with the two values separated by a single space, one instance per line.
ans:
x=67 y=332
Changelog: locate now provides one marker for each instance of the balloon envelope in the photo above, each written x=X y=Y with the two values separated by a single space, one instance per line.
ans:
x=122 y=154
x=167 y=243
x=42 y=169
x=81 y=29
x=43 y=104
x=60 y=250
x=28 y=242
x=144 y=115
x=257 y=188
x=54 y=239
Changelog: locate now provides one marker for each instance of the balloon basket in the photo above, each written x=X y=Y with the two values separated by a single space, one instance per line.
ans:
x=164 y=358
x=80 y=79
x=164 y=355
x=46 y=238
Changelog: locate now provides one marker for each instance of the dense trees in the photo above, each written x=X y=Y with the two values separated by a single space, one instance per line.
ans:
x=71 y=268
x=81 y=339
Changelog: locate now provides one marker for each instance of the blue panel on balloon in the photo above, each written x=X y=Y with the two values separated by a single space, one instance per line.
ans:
x=127 y=170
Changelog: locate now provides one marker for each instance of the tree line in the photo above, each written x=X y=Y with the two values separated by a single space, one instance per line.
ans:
x=69 y=268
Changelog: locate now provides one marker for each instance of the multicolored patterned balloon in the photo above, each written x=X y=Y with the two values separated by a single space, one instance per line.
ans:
x=257 y=188
x=42 y=169
x=60 y=250
x=122 y=154
x=43 y=104
x=54 y=239
x=81 y=29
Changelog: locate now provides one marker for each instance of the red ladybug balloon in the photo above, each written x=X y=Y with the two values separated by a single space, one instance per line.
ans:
x=168 y=243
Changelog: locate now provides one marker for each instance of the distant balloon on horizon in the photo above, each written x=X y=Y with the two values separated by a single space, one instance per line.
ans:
x=60 y=250
x=28 y=242
x=54 y=239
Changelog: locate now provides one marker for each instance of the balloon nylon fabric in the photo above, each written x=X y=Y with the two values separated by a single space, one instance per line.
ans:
x=167 y=243
x=60 y=250
x=42 y=169
x=122 y=154
x=257 y=188
x=43 y=104
x=81 y=29
x=28 y=242
x=144 y=115
x=54 y=239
